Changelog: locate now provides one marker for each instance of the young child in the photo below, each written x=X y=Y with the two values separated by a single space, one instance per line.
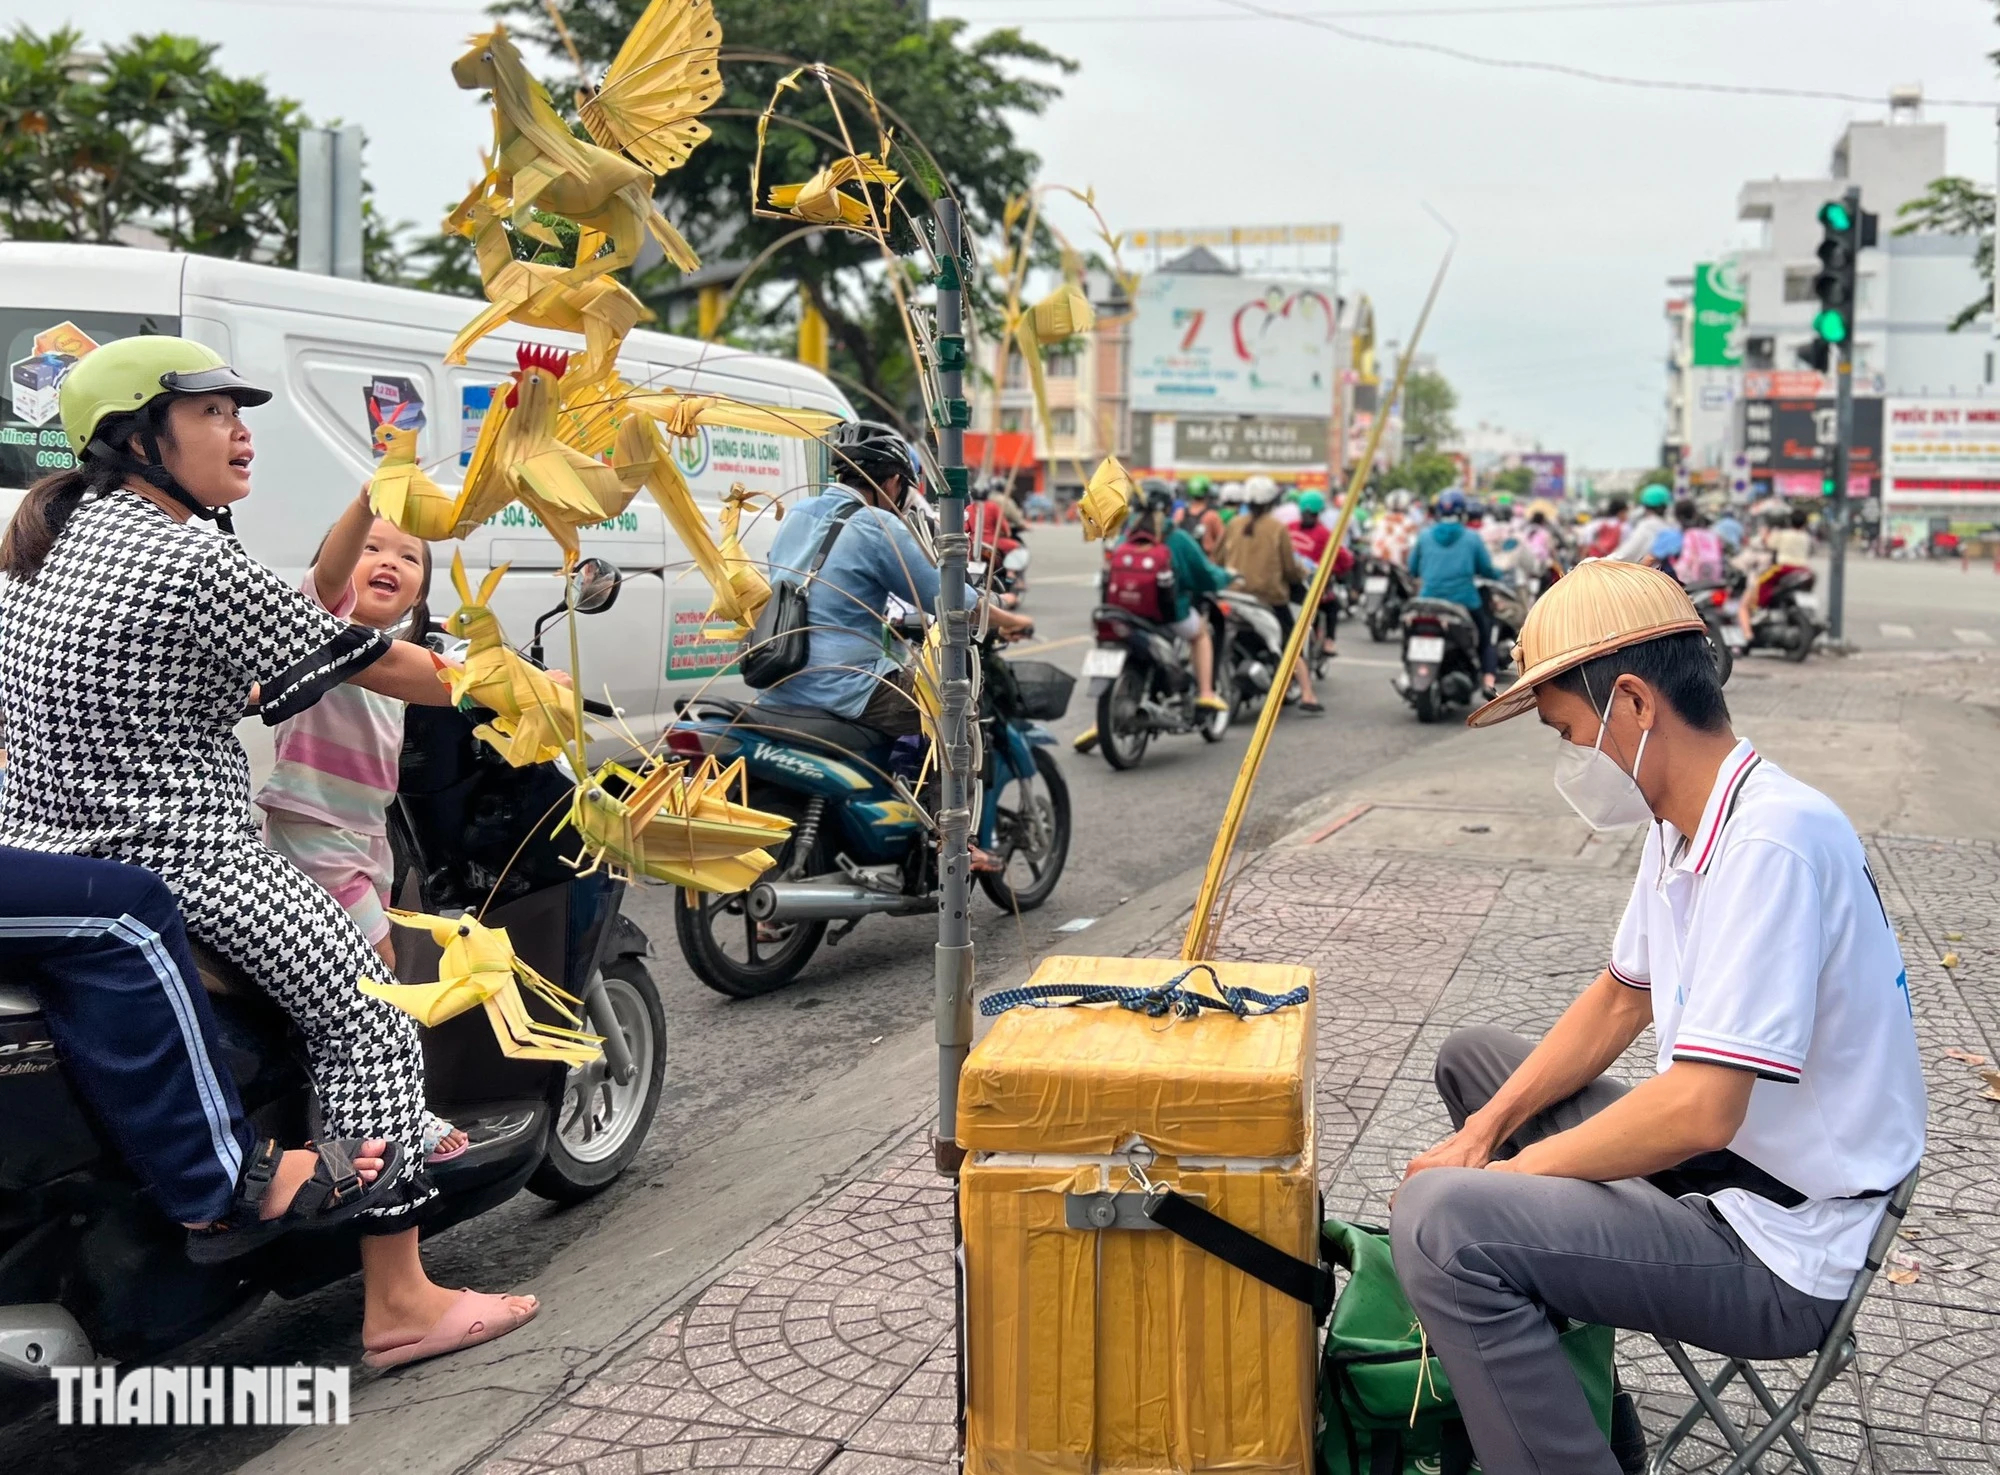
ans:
x=326 y=803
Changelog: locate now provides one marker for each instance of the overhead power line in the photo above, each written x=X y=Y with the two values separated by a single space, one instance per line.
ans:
x=1416 y=13
x=1584 y=74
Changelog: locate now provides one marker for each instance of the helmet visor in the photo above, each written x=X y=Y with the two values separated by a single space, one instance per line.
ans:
x=223 y=380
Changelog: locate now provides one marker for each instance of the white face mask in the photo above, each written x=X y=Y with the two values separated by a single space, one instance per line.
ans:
x=1604 y=795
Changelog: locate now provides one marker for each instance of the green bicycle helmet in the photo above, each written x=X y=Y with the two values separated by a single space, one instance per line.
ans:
x=1655 y=496
x=138 y=378
x=1312 y=502
x=1197 y=488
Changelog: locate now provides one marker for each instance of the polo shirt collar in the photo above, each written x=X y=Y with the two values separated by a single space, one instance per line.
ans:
x=1698 y=855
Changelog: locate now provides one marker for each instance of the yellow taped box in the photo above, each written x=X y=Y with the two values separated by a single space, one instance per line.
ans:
x=1123 y=1349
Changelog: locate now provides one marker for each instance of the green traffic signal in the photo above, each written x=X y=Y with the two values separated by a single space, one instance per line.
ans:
x=1831 y=326
x=1835 y=217
x=1827 y=486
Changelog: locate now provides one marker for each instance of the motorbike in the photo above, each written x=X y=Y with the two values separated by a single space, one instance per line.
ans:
x=1789 y=622
x=861 y=843
x=89 y=1268
x=1142 y=679
x=1441 y=665
x=1008 y=577
x=1385 y=588
x=1253 y=640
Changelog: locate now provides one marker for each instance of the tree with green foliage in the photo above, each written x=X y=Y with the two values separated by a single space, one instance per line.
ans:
x=1515 y=481
x=954 y=96
x=1428 y=400
x=1426 y=473
x=1957 y=207
x=148 y=140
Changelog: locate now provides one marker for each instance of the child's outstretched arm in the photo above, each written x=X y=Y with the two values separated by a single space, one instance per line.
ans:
x=334 y=569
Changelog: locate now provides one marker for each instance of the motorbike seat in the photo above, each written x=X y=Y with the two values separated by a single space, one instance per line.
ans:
x=1445 y=609
x=820 y=731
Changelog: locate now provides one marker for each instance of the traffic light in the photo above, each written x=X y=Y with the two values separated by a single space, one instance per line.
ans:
x=1845 y=231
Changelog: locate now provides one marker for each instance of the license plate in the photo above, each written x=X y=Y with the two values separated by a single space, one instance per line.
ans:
x=1105 y=661
x=1375 y=584
x=1807 y=602
x=1424 y=649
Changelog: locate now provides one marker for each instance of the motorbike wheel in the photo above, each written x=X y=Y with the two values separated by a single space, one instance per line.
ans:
x=1378 y=627
x=1720 y=653
x=1119 y=734
x=1033 y=834
x=773 y=954
x=1430 y=703
x=1805 y=634
x=602 y=1125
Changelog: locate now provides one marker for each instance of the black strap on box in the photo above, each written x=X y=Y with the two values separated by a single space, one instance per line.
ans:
x=1308 y=1282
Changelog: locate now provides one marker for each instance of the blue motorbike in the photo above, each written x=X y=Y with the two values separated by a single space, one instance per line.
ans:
x=861 y=842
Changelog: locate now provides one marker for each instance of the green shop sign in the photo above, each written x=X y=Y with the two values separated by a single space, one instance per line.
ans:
x=1718 y=315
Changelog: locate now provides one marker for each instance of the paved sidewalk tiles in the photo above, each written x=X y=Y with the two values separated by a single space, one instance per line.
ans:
x=830 y=1348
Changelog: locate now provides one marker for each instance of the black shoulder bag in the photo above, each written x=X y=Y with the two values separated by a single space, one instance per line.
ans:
x=782 y=637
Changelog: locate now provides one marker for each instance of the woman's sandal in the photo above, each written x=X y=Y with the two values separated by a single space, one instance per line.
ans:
x=475 y=1317
x=333 y=1195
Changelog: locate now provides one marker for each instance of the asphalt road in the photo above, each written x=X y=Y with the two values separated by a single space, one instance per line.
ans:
x=1132 y=831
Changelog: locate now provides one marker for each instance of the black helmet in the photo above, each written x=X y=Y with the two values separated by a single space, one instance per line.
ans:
x=867 y=453
x=1159 y=497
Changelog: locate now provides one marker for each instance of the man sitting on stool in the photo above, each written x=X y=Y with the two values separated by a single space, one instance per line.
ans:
x=1728 y=1200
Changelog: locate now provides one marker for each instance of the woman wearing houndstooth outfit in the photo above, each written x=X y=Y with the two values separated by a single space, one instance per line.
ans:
x=126 y=654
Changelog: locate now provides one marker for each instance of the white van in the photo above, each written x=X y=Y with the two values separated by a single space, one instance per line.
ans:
x=345 y=356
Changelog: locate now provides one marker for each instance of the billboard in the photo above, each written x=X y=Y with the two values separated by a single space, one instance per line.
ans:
x=1942 y=451
x=1550 y=470
x=1785 y=435
x=1201 y=440
x=1208 y=344
x=1718 y=316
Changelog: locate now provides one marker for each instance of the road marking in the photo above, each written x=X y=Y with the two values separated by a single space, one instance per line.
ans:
x=1973 y=637
x=1039 y=646
x=1897 y=632
x=1064 y=579
x=1076 y=924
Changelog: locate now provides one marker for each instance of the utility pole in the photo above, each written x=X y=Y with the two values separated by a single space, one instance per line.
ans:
x=953 y=1012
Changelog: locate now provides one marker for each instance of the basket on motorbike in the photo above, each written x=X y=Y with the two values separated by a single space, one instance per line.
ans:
x=1042 y=689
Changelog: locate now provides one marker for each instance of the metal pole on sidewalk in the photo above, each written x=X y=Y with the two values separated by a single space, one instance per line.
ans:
x=1843 y=419
x=954 y=944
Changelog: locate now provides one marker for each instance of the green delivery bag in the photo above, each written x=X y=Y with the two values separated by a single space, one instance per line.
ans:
x=1373 y=1374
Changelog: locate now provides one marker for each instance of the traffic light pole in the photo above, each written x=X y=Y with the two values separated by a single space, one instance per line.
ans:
x=1843 y=418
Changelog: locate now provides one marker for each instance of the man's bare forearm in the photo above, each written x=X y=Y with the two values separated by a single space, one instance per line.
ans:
x=1594 y=1031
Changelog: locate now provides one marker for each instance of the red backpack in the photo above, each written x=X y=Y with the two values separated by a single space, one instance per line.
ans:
x=1140 y=579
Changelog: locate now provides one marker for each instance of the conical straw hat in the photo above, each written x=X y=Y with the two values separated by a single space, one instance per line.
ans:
x=1597 y=607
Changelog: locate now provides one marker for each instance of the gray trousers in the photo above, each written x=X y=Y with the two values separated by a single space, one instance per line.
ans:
x=1486 y=1258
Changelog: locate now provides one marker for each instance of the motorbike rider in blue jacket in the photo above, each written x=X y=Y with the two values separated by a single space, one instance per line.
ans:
x=1448 y=561
x=873 y=557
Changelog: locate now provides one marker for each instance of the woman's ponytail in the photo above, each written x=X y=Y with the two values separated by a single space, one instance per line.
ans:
x=51 y=502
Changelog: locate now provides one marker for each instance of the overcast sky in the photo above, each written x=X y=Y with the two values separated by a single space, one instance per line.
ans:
x=1574 y=200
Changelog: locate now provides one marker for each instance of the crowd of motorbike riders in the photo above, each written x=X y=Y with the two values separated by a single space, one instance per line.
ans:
x=126 y=827
x=1204 y=586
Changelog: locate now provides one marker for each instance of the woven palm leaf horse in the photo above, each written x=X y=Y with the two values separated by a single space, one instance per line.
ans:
x=539 y=163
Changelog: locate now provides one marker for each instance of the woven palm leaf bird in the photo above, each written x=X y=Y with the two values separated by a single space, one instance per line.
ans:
x=521 y=455
x=403 y=493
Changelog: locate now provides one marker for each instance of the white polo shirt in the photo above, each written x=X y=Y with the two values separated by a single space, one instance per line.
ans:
x=1766 y=947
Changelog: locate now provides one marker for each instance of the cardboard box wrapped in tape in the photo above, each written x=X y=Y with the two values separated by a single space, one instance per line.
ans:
x=1130 y=1349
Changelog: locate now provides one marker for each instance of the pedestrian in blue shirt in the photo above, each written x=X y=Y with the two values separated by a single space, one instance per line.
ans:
x=874 y=556
x=1448 y=561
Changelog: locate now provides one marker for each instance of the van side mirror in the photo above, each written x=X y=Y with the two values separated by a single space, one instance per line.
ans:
x=594 y=586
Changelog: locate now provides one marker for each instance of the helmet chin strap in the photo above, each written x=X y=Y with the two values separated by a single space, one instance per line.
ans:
x=154 y=473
